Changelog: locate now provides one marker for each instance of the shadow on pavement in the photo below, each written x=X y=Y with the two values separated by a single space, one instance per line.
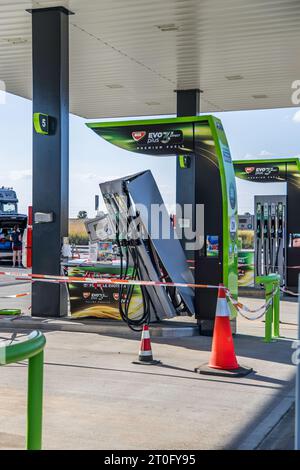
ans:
x=195 y=376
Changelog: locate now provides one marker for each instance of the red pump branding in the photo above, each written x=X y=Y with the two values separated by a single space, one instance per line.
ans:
x=138 y=135
x=249 y=169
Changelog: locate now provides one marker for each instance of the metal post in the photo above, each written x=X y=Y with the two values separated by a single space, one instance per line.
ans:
x=35 y=402
x=188 y=104
x=187 y=181
x=276 y=311
x=297 y=398
x=50 y=58
x=269 y=313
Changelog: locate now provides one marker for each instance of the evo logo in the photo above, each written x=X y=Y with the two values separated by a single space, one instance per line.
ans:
x=158 y=137
x=262 y=171
x=165 y=137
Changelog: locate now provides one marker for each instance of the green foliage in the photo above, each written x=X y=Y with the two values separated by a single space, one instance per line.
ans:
x=78 y=239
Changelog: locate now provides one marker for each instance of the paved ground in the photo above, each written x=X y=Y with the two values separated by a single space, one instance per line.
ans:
x=9 y=286
x=95 y=398
x=282 y=437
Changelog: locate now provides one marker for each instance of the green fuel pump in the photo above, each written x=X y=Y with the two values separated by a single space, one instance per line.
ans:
x=258 y=238
x=273 y=236
x=276 y=241
x=270 y=235
x=266 y=239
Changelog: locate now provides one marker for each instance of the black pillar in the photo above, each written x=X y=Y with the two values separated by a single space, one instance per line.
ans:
x=188 y=104
x=50 y=57
x=187 y=172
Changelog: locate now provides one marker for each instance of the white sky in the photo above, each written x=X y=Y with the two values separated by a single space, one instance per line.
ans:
x=251 y=134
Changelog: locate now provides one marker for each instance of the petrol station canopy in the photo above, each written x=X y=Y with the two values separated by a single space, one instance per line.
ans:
x=128 y=56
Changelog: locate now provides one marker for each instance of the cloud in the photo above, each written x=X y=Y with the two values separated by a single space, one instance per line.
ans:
x=296 y=117
x=265 y=153
x=262 y=153
x=85 y=176
x=17 y=175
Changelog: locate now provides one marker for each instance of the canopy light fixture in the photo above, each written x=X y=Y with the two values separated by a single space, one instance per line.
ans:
x=17 y=40
x=114 y=86
x=167 y=27
x=258 y=97
x=234 y=77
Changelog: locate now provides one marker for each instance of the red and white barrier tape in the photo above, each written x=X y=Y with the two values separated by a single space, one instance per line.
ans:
x=96 y=280
x=240 y=265
x=14 y=296
x=286 y=291
x=243 y=309
x=239 y=307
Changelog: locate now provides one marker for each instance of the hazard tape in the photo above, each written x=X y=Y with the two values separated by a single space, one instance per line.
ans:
x=14 y=296
x=96 y=280
x=243 y=309
x=286 y=291
x=240 y=265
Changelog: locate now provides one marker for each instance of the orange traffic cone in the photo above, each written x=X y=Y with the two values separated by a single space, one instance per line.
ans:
x=145 y=352
x=223 y=360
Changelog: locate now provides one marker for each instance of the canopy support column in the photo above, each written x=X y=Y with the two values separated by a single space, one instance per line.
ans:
x=50 y=58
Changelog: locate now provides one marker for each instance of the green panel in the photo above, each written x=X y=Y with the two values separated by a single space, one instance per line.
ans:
x=229 y=201
x=170 y=136
x=268 y=170
x=176 y=120
x=268 y=160
x=246 y=268
x=293 y=173
x=261 y=172
x=153 y=139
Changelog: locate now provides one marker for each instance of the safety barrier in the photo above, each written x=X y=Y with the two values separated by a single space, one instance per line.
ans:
x=289 y=292
x=270 y=308
x=14 y=296
x=33 y=350
x=271 y=285
x=243 y=310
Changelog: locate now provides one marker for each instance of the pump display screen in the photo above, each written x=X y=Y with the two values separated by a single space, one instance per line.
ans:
x=212 y=245
x=296 y=240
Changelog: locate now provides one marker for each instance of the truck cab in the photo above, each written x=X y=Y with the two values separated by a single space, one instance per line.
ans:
x=9 y=217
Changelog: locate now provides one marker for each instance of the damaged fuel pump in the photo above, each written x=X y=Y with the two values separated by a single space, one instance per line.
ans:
x=204 y=162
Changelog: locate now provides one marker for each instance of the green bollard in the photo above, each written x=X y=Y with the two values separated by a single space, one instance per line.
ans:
x=35 y=402
x=271 y=283
x=276 y=325
x=33 y=350
x=269 y=314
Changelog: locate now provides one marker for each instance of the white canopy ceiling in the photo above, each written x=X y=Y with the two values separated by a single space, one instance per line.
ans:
x=127 y=56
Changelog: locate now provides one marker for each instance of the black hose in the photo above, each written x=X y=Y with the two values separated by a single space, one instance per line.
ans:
x=125 y=300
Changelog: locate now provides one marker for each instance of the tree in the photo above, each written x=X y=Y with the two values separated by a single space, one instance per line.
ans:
x=82 y=215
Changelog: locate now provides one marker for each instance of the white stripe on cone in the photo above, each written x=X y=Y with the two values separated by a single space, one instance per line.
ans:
x=146 y=334
x=222 y=308
x=145 y=353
